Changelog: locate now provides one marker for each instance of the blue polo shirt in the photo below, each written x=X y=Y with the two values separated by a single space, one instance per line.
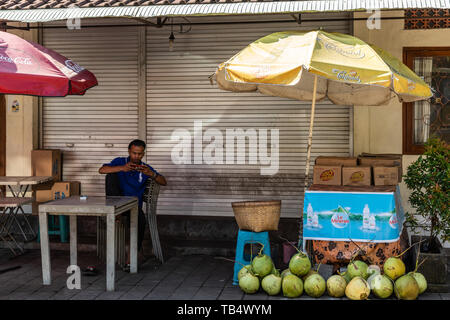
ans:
x=132 y=183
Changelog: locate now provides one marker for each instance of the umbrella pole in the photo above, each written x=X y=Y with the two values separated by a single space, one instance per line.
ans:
x=308 y=157
x=311 y=125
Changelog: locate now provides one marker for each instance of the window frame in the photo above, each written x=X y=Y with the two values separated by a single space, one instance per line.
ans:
x=409 y=53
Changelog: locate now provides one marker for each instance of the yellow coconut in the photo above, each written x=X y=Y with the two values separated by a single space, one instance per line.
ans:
x=394 y=268
x=406 y=288
x=357 y=289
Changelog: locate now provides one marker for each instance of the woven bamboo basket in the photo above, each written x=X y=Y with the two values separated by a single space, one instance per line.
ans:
x=257 y=216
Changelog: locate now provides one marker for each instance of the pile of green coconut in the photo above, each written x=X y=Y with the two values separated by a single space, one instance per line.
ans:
x=356 y=283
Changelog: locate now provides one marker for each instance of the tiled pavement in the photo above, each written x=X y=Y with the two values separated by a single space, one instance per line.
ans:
x=194 y=277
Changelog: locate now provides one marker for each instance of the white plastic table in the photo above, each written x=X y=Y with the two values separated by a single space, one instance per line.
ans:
x=109 y=207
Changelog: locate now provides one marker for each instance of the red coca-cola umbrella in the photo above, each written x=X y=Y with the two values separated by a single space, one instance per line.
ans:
x=30 y=69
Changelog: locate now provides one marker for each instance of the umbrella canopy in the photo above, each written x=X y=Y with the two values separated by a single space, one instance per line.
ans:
x=31 y=69
x=350 y=71
x=312 y=65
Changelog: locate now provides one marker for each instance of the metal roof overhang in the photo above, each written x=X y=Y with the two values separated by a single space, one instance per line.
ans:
x=240 y=8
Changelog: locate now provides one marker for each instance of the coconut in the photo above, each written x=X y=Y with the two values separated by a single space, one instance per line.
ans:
x=249 y=283
x=285 y=272
x=421 y=281
x=346 y=276
x=394 y=267
x=315 y=285
x=292 y=286
x=336 y=286
x=357 y=289
x=406 y=288
x=275 y=271
x=357 y=268
x=373 y=269
x=299 y=264
x=381 y=286
x=262 y=265
x=245 y=269
x=271 y=284
x=310 y=272
x=369 y=280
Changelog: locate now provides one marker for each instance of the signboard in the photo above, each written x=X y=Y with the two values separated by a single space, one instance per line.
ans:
x=357 y=216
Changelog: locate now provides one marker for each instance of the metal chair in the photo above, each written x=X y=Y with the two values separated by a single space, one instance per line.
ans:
x=8 y=218
x=150 y=199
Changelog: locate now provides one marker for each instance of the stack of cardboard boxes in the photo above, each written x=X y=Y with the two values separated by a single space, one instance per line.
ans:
x=364 y=170
x=48 y=163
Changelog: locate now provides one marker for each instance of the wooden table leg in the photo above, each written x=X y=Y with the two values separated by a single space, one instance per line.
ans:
x=133 y=239
x=73 y=240
x=45 y=249
x=110 y=252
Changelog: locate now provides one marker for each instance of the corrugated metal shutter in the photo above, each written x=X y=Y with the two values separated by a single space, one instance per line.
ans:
x=94 y=128
x=179 y=93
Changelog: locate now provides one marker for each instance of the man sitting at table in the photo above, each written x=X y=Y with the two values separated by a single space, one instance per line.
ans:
x=128 y=177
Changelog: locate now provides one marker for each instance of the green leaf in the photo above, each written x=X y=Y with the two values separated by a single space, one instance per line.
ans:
x=428 y=178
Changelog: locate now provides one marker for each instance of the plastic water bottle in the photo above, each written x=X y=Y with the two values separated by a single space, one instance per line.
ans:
x=315 y=220
x=372 y=224
x=309 y=216
x=366 y=217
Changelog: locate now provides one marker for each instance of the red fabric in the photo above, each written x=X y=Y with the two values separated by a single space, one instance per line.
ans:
x=31 y=69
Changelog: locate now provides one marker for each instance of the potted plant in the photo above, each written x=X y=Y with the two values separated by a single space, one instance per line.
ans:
x=428 y=178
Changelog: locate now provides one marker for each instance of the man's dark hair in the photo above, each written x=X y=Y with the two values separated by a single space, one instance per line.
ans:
x=137 y=143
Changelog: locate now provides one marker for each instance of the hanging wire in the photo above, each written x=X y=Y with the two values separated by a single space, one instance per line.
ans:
x=171 y=37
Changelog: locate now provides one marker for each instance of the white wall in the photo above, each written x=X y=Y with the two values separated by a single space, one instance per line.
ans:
x=379 y=129
x=22 y=125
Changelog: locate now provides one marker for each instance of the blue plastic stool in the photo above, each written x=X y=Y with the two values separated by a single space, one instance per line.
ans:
x=245 y=237
x=61 y=229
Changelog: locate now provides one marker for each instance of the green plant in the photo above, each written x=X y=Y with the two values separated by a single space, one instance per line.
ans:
x=428 y=179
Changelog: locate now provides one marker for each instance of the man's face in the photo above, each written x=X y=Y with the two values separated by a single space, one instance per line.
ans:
x=136 y=154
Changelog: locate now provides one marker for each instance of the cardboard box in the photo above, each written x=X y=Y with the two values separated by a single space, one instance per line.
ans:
x=382 y=155
x=356 y=176
x=65 y=189
x=328 y=175
x=383 y=161
x=337 y=161
x=44 y=195
x=387 y=161
x=58 y=190
x=46 y=162
x=379 y=162
x=385 y=176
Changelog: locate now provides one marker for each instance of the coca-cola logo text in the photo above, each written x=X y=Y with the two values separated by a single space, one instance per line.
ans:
x=16 y=60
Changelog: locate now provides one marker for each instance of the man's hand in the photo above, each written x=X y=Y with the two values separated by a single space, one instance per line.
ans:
x=128 y=167
x=146 y=170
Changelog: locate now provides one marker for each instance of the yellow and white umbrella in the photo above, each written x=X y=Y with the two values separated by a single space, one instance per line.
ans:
x=312 y=65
